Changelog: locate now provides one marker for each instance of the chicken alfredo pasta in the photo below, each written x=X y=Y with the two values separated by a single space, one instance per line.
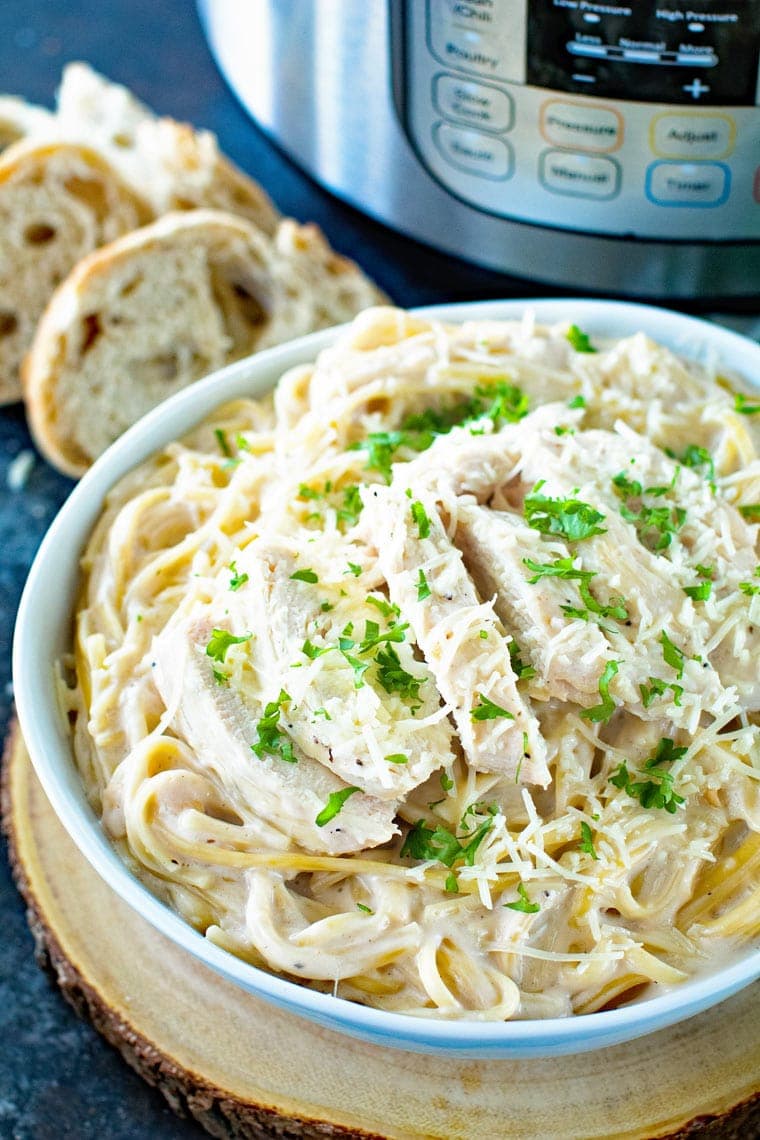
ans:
x=433 y=680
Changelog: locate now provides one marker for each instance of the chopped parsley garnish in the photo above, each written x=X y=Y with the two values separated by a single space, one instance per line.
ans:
x=220 y=641
x=221 y=439
x=353 y=568
x=352 y=505
x=658 y=688
x=335 y=802
x=579 y=340
x=496 y=400
x=699 y=593
x=657 y=790
x=323 y=713
x=387 y=609
x=397 y=758
x=523 y=903
x=271 y=741
x=237 y=580
x=304 y=576
x=744 y=407
x=420 y=516
x=586 y=844
x=571 y=518
x=655 y=526
x=577 y=402
x=306 y=492
x=750 y=511
x=487 y=710
x=697 y=457
x=438 y=843
x=603 y=711
x=446 y=782
x=423 y=589
x=564 y=568
x=314 y=651
x=373 y=637
x=393 y=677
x=672 y=655
x=751 y=588
x=364 y=909
x=452 y=884
x=561 y=430
x=521 y=671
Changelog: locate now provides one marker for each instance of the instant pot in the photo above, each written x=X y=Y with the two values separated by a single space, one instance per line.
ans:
x=610 y=147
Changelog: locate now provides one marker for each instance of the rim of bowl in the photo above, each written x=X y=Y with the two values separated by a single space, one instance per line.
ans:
x=47 y=738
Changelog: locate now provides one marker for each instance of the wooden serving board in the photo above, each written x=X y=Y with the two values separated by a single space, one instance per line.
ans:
x=245 y=1069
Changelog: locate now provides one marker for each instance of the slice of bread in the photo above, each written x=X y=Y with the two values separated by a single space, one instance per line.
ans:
x=162 y=307
x=58 y=202
x=174 y=166
x=20 y=120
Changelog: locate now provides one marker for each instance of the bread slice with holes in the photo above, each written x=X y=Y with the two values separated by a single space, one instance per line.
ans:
x=21 y=120
x=58 y=202
x=175 y=166
x=165 y=305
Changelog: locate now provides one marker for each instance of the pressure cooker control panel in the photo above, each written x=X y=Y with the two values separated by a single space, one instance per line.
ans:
x=629 y=120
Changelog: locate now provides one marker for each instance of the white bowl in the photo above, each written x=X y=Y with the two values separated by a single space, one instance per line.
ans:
x=43 y=634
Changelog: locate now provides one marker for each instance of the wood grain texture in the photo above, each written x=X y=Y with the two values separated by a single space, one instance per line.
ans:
x=245 y=1069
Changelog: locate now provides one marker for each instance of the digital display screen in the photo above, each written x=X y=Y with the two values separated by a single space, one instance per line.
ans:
x=701 y=53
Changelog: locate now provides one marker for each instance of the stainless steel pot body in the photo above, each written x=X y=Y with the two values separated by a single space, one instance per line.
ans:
x=599 y=147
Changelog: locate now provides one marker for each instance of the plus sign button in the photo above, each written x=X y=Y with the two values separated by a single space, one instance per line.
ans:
x=696 y=88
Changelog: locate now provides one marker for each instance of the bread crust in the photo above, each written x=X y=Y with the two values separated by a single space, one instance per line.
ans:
x=163 y=306
x=58 y=201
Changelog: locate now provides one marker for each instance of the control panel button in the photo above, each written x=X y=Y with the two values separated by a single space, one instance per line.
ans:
x=579 y=175
x=474 y=152
x=484 y=36
x=581 y=126
x=688 y=183
x=466 y=101
x=692 y=135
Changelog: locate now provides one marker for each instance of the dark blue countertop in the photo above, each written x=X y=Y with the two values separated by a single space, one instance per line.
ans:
x=58 y=1079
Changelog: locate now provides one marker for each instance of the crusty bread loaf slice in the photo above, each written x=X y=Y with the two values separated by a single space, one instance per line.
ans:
x=20 y=120
x=162 y=307
x=58 y=201
x=170 y=163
